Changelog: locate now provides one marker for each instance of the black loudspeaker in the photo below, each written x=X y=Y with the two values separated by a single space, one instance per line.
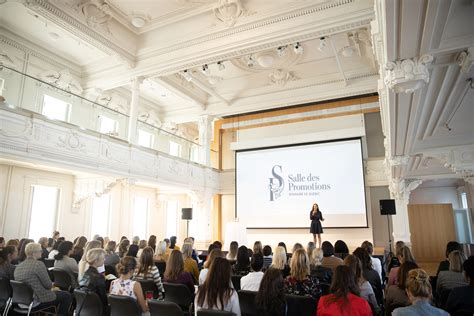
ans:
x=187 y=213
x=387 y=207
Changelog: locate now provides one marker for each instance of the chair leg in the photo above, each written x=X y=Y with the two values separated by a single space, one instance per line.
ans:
x=29 y=309
x=7 y=307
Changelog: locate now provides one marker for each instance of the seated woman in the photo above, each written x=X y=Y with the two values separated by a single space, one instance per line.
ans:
x=403 y=254
x=124 y=285
x=300 y=282
x=175 y=271
x=8 y=254
x=365 y=289
x=344 y=299
x=322 y=273
x=396 y=295
x=258 y=247
x=141 y=245
x=190 y=265
x=369 y=273
x=147 y=270
x=329 y=259
x=270 y=299
x=54 y=251
x=78 y=249
x=22 y=249
x=232 y=254
x=123 y=248
x=92 y=280
x=111 y=258
x=242 y=266
x=447 y=280
x=217 y=293
x=279 y=261
x=160 y=252
x=419 y=293
x=460 y=298
x=450 y=246
x=210 y=258
x=83 y=266
x=34 y=273
x=62 y=261
x=340 y=249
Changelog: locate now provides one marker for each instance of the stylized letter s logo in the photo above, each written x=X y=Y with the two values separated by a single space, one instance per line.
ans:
x=276 y=189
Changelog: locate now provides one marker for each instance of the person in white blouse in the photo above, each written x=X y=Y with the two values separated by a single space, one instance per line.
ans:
x=376 y=263
x=214 y=254
x=251 y=282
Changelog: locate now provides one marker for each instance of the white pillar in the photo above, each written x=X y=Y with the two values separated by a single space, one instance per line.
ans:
x=133 y=114
x=200 y=227
x=205 y=137
x=400 y=190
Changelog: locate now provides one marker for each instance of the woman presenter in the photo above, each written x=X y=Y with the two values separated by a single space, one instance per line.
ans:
x=316 y=228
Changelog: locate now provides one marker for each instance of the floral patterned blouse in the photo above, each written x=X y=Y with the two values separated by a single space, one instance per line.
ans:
x=123 y=287
x=307 y=287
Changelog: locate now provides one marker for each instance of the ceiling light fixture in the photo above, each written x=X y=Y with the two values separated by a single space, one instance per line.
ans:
x=187 y=75
x=220 y=65
x=298 y=48
x=281 y=51
x=138 y=21
x=250 y=61
x=322 y=44
x=205 y=70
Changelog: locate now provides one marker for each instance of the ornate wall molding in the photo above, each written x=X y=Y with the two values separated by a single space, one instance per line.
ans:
x=408 y=75
x=62 y=79
x=400 y=189
x=465 y=59
x=87 y=187
x=229 y=11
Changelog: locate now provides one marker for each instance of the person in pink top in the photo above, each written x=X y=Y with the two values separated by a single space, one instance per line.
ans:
x=344 y=300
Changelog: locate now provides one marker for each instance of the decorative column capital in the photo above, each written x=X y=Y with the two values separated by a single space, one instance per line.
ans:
x=409 y=74
x=400 y=189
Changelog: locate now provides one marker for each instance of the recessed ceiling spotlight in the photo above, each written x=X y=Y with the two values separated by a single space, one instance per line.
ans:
x=250 y=61
x=348 y=51
x=322 y=44
x=54 y=36
x=220 y=65
x=298 y=48
x=205 y=70
x=187 y=75
x=138 y=21
x=281 y=51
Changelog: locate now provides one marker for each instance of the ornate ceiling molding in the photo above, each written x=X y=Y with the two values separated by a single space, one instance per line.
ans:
x=465 y=59
x=229 y=11
x=408 y=75
x=400 y=189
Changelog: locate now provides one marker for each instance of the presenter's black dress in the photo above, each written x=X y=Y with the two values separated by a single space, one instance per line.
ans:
x=316 y=227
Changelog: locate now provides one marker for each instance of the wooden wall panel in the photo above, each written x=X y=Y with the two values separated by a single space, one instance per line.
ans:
x=431 y=227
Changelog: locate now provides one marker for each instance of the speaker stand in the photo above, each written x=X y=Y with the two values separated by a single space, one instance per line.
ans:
x=187 y=228
x=389 y=234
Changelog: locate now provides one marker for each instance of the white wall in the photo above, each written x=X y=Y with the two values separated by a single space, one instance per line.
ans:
x=435 y=195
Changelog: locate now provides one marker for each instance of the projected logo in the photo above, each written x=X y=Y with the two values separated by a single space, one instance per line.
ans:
x=276 y=183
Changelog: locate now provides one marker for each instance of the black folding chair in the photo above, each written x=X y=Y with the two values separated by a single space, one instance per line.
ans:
x=247 y=303
x=62 y=279
x=213 y=312
x=23 y=294
x=301 y=305
x=5 y=294
x=149 y=286
x=124 y=306
x=236 y=281
x=161 y=308
x=87 y=303
x=179 y=294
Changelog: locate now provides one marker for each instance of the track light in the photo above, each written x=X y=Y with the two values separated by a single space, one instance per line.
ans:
x=250 y=62
x=281 y=51
x=220 y=65
x=322 y=44
x=187 y=75
x=206 y=70
x=298 y=48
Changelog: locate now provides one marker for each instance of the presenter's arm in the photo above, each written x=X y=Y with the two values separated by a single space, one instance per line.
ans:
x=311 y=216
x=322 y=219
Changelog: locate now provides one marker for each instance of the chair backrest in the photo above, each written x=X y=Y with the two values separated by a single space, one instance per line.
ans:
x=5 y=290
x=87 y=303
x=325 y=288
x=22 y=293
x=161 y=265
x=123 y=306
x=301 y=305
x=247 y=303
x=62 y=279
x=213 y=312
x=236 y=281
x=159 y=308
x=149 y=286
x=179 y=294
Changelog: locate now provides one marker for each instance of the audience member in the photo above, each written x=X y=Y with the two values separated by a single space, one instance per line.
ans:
x=376 y=263
x=461 y=298
x=257 y=247
x=242 y=266
x=152 y=242
x=296 y=246
x=267 y=257
x=218 y=244
x=123 y=248
x=365 y=289
x=141 y=245
x=124 y=285
x=22 y=253
x=64 y=262
x=392 y=259
x=8 y=254
x=111 y=258
x=403 y=255
x=83 y=266
x=216 y=292
x=300 y=282
x=419 y=293
x=43 y=241
x=309 y=249
x=160 y=252
x=132 y=251
x=329 y=260
x=344 y=299
x=216 y=252
x=190 y=265
x=447 y=280
x=280 y=261
x=175 y=271
x=173 y=245
x=251 y=281
x=369 y=273
x=78 y=249
x=323 y=274
x=94 y=281
x=2 y=242
x=396 y=295
x=340 y=249
x=147 y=270
x=232 y=254
x=13 y=242
x=450 y=246
x=102 y=242
x=54 y=251
x=270 y=299
x=34 y=273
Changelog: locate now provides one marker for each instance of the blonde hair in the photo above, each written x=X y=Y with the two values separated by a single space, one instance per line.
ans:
x=316 y=257
x=31 y=248
x=95 y=255
x=142 y=244
x=406 y=255
x=257 y=247
x=299 y=265
x=187 y=250
x=93 y=244
x=418 y=283
x=279 y=258
x=456 y=259
x=310 y=248
x=160 y=248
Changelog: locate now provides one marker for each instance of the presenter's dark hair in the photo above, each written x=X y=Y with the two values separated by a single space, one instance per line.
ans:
x=328 y=249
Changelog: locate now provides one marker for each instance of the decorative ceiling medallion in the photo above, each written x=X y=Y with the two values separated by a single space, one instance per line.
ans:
x=229 y=11
x=408 y=75
x=280 y=77
x=96 y=13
